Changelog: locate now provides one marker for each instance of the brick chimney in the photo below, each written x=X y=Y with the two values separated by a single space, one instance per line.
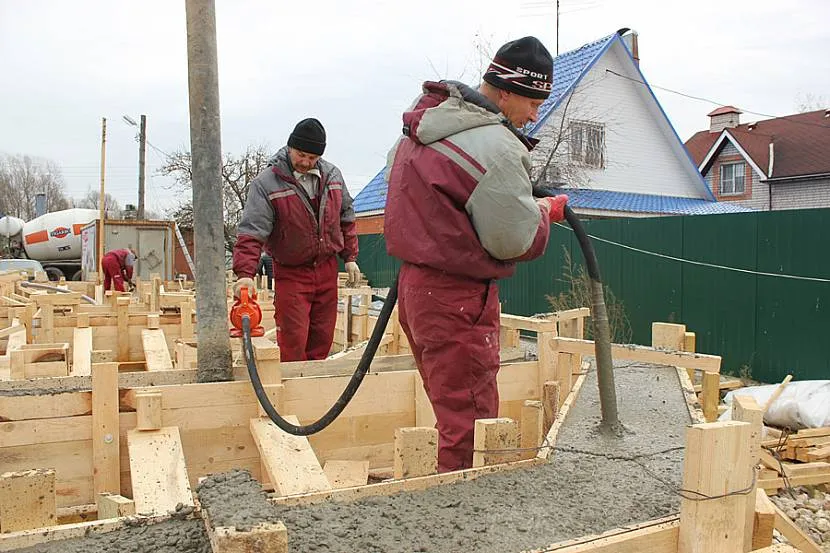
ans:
x=726 y=117
x=629 y=38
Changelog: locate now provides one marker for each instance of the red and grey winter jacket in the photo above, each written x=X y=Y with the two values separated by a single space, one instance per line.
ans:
x=279 y=216
x=460 y=197
x=126 y=260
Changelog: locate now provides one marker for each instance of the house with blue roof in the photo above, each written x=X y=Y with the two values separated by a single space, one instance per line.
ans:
x=604 y=140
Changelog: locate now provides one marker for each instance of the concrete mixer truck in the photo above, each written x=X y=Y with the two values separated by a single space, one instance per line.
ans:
x=53 y=239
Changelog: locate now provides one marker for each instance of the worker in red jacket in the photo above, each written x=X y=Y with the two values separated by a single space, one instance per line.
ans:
x=460 y=214
x=300 y=211
x=118 y=268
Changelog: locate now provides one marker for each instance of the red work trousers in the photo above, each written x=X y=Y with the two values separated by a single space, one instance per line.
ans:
x=452 y=324
x=112 y=273
x=305 y=305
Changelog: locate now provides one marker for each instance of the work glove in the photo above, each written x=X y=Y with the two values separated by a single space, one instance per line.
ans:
x=354 y=273
x=555 y=207
x=244 y=282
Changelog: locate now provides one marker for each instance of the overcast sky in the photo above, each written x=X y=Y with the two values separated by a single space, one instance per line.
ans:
x=355 y=64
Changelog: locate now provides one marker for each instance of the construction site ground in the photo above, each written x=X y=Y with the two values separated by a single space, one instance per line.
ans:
x=594 y=483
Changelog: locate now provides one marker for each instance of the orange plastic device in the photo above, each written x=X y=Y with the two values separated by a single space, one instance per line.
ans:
x=246 y=306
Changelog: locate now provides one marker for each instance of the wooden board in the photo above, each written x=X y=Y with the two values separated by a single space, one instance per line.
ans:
x=657 y=536
x=27 y=500
x=105 y=428
x=156 y=353
x=643 y=354
x=346 y=474
x=291 y=464
x=82 y=352
x=159 y=474
x=793 y=533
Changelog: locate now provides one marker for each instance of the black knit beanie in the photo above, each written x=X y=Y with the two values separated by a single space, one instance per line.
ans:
x=308 y=136
x=522 y=66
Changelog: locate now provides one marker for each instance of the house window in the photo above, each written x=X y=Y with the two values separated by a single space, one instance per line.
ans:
x=732 y=178
x=587 y=143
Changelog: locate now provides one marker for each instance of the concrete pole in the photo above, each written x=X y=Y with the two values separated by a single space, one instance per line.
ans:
x=213 y=350
x=142 y=149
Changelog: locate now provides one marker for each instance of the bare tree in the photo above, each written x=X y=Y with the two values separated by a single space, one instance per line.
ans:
x=810 y=102
x=112 y=209
x=24 y=177
x=237 y=173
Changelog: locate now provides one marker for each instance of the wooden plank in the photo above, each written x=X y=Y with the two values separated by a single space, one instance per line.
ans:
x=22 y=408
x=156 y=353
x=114 y=506
x=532 y=428
x=158 y=470
x=105 y=428
x=188 y=307
x=148 y=410
x=416 y=452
x=82 y=352
x=265 y=537
x=692 y=402
x=763 y=521
x=27 y=500
x=658 y=536
x=710 y=398
x=818 y=453
x=644 y=354
x=424 y=414
x=717 y=463
x=532 y=324
x=551 y=399
x=796 y=536
x=292 y=466
x=345 y=474
x=800 y=480
x=122 y=309
x=492 y=441
x=32 y=538
x=746 y=409
x=668 y=336
x=779 y=548
x=777 y=393
x=550 y=438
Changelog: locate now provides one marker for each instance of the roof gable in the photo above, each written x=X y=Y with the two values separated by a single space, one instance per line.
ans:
x=800 y=144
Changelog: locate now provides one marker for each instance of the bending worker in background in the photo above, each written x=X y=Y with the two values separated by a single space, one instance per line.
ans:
x=118 y=268
x=460 y=214
x=300 y=211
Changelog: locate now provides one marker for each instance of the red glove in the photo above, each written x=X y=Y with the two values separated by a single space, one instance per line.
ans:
x=555 y=206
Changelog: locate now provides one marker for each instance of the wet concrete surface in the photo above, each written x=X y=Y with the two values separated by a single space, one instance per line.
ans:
x=593 y=484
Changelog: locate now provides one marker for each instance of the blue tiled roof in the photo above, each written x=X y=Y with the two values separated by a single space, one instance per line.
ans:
x=645 y=203
x=373 y=195
x=567 y=70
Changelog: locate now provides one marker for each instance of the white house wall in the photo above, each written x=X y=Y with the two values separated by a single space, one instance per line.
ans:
x=801 y=195
x=643 y=155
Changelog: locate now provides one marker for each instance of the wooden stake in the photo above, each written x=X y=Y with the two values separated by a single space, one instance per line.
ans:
x=148 y=410
x=763 y=521
x=717 y=463
x=27 y=500
x=745 y=409
x=492 y=438
x=122 y=311
x=532 y=427
x=711 y=396
x=105 y=429
x=416 y=452
x=777 y=393
x=114 y=506
x=551 y=395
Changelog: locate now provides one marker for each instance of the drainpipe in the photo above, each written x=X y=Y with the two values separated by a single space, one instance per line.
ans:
x=769 y=170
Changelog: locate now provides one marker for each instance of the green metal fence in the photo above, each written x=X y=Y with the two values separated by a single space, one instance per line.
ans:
x=770 y=325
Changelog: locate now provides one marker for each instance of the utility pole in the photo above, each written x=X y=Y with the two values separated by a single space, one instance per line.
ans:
x=142 y=149
x=557 y=27
x=213 y=349
x=101 y=197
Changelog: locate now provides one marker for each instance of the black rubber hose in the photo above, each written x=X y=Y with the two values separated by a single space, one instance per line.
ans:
x=351 y=387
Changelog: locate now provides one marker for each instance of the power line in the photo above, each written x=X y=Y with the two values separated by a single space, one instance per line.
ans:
x=701 y=263
x=719 y=104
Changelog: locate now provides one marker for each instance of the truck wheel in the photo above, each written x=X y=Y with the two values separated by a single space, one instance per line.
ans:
x=78 y=275
x=53 y=273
